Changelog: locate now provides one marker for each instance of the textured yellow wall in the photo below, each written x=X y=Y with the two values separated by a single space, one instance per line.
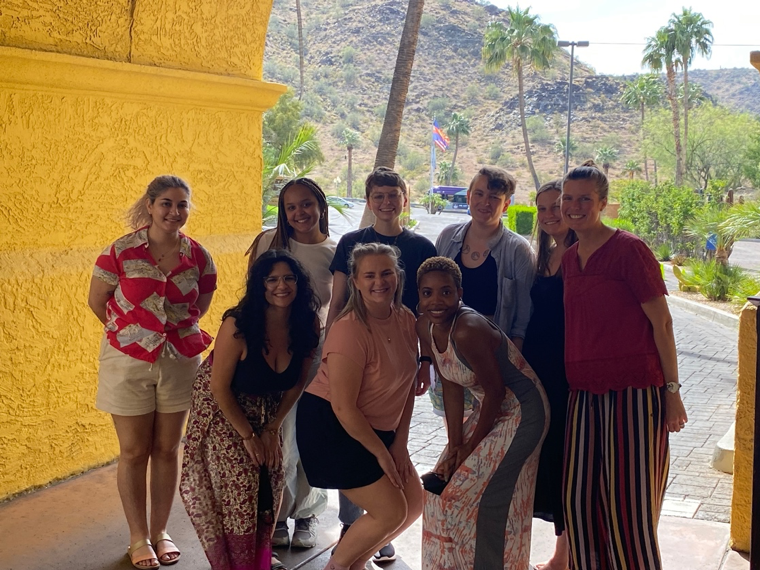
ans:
x=80 y=137
x=741 y=501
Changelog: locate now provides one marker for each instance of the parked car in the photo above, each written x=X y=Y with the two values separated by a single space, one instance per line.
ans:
x=340 y=202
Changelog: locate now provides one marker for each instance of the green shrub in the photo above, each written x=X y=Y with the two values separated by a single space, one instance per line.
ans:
x=521 y=219
x=659 y=214
x=620 y=223
x=537 y=129
x=348 y=54
x=720 y=282
x=663 y=252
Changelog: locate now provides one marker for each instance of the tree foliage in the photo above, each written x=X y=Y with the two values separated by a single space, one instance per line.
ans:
x=458 y=125
x=659 y=213
x=526 y=43
x=718 y=146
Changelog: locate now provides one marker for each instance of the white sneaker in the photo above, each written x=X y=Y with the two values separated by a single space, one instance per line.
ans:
x=305 y=533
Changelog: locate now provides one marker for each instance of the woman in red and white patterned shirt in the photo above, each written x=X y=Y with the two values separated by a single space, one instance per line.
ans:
x=149 y=288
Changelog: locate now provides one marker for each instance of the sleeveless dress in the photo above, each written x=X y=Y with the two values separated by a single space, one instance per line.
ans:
x=231 y=502
x=483 y=518
x=544 y=349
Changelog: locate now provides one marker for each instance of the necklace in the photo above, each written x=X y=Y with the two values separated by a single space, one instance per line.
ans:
x=392 y=244
x=167 y=252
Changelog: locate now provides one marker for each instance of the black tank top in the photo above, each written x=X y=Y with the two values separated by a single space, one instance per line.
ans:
x=254 y=375
x=480 y=285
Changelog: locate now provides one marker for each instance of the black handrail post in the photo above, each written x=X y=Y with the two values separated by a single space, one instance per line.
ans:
x=754 y=544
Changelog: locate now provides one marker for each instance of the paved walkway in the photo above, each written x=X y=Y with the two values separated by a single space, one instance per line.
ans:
x=707 y=365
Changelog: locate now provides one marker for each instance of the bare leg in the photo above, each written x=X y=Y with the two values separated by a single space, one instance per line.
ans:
x=560 y=560
x=389 y=512
x=164 y=472
x=135 y=435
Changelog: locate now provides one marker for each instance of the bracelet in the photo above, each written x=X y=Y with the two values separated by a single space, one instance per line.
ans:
x=250 y=437
x=273 y=432
x=422 y=359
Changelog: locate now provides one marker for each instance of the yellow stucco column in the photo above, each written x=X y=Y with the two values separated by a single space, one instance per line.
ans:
x=741 y=502
x=97 y=98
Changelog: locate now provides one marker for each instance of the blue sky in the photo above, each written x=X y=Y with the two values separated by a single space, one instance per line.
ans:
x=605 y=22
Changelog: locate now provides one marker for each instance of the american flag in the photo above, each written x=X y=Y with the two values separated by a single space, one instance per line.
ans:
x=439 y=137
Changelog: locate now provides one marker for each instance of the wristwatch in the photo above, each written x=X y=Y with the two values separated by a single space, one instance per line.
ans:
x=673 y=387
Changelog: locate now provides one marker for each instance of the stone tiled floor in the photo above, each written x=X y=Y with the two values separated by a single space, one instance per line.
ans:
x=707 y=367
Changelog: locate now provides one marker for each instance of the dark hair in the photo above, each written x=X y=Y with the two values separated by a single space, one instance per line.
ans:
x=498 y=179
x=283 y=231
x=355 y=302
x=250 y=312
x=138 y=215
x=590 y=171
x=383 y=176
x=442 y=264
x=543 y=239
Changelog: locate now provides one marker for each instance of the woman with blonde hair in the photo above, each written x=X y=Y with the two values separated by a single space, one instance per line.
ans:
x=149 y=288
x=353 y=421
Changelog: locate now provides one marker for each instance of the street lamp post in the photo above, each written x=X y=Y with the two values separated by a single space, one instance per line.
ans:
x=571 y=45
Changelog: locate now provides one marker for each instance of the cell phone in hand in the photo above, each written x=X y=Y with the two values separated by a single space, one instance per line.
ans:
x=433 y=483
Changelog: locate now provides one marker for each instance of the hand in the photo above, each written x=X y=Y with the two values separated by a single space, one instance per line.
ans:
x=423 y=378
x=388 y=466
x=400 y=454
x=457 y=456
x=272 y=449
x=675 y=413
x=255 y=449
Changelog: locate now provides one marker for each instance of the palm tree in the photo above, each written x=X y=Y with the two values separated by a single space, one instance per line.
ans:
x=387 y=146
x=644 y=91
x=349 y=139
x=559 y=147
x=692 y=36
x=525 y=43
x=631 y=168
x=606 y=155
x=293 y=159
x=457 y=125
x=448 y=173
x=300 y=48
x=660 y=52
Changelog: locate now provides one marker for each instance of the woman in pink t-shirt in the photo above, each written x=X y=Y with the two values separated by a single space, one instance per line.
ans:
x=622 y=370
x=353 y=421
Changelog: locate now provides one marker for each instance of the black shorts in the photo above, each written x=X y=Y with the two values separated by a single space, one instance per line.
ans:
x=331 y=458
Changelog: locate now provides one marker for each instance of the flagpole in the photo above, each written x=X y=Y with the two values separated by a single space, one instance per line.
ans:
x=432 y=175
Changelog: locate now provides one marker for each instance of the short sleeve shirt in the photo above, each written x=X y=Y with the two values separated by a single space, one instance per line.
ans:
x=387 y=354
x=148 y=308
x=414 y=250
x=609 y=341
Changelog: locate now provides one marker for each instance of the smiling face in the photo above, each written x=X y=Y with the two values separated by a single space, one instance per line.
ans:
x=169 y=212
x=386 y=202
x=280 y=286
x=486 y=206
x=548 y=213
x=439 y=297
x=302 y=211
x=581 y=205
x=375 y=278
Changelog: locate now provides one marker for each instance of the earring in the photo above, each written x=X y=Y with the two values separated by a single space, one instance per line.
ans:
x=417 y=309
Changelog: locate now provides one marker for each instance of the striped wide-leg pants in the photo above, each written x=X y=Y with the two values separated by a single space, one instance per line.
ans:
x=616 y=470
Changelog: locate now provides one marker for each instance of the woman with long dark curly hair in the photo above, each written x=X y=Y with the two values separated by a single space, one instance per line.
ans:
x=232 y=474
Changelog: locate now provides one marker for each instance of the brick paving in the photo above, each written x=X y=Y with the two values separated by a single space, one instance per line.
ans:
x=707 y=366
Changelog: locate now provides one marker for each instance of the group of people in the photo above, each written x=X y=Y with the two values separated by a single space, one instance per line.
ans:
x=556 y=372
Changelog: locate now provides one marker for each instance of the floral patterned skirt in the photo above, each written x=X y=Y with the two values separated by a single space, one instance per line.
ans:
x=231 y=503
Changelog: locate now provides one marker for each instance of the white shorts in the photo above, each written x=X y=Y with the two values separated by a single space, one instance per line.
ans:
x=128 y=386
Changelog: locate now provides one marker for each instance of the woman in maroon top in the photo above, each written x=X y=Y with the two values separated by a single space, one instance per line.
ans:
x=149 y=288
x=621 y=365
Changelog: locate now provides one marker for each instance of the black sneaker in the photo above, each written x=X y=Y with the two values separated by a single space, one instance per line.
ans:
x=386 y=554
x=305 y=533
